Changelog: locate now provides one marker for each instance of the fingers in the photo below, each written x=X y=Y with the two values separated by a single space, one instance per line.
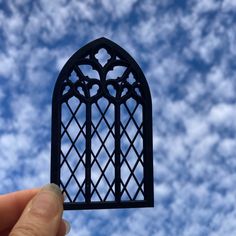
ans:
x=42 y=215
x=12 y=206
x=64 y=228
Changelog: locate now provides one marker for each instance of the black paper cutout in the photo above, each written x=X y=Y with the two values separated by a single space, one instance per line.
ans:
x=101 y=153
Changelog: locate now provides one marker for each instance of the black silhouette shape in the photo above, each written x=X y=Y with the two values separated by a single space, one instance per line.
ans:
x=101 y=155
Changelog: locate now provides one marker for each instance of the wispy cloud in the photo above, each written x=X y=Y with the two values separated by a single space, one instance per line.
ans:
x=187 y=52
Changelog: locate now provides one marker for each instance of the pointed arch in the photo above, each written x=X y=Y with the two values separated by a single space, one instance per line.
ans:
x=101 y=154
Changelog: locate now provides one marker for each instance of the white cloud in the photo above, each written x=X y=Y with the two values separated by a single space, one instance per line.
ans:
x=228 y=5
x=156 y=28
x=118 y=8
x=223 y=115
x=221 y=83
x=227 y=147
x=196 y=89
x=25 y=114
x=196 y=129
x=7 y=65
x=206 y=6
x=193 y=106
x=163 y=192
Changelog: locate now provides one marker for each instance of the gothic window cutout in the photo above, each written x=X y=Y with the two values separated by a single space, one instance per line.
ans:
x=102 y=130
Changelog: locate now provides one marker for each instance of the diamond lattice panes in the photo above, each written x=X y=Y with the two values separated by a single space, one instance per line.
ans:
x=73 y=134
x=103 y=152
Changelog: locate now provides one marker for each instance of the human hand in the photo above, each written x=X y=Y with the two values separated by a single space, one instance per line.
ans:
x=33 y=212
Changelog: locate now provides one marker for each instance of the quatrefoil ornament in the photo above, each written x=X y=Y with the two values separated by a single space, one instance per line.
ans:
x=101 y=153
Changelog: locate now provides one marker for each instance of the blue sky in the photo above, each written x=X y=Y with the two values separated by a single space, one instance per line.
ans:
x=187 y=51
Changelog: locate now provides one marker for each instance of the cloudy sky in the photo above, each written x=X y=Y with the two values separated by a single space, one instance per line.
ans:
x=187 y=51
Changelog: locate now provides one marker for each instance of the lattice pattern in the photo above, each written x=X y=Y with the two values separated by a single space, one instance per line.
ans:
x=102 y=130
x=131 y=152
x=73 y=137
x=103 y=152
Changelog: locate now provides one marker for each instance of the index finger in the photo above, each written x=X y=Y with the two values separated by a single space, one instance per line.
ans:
x=12 y=206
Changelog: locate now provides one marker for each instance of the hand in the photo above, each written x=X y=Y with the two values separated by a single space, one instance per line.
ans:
x=33 y=212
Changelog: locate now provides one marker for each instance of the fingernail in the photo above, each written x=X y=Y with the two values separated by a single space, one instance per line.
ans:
x=64 y=196
x=67 y=224
x=45 y=203
x=54 y=188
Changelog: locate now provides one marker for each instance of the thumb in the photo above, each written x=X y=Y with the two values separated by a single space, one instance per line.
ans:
x=42 y=215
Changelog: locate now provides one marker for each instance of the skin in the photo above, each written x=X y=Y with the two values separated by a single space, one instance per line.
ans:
x=32 y=212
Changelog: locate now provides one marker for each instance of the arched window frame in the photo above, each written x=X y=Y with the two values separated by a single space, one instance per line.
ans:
x=126 y=60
